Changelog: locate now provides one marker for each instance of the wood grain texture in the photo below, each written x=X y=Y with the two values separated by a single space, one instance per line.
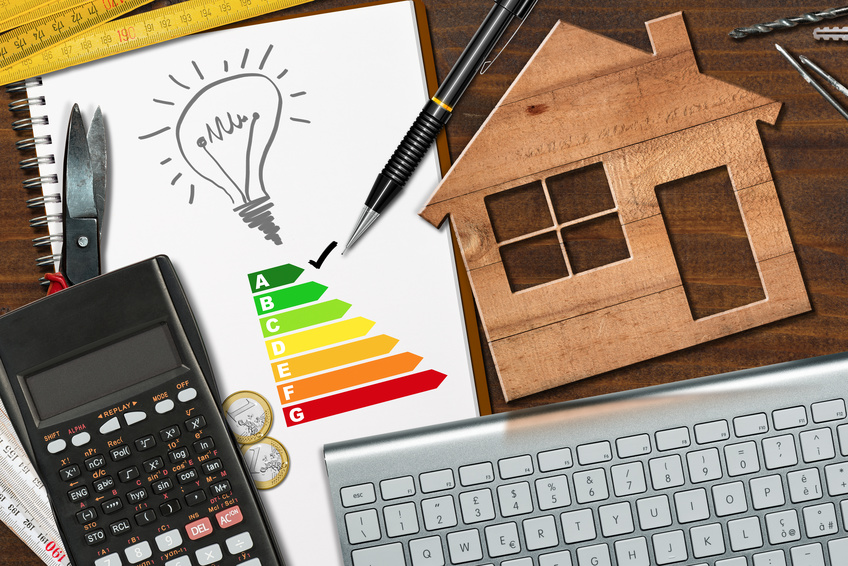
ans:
x=807 y=150
x=650 y=119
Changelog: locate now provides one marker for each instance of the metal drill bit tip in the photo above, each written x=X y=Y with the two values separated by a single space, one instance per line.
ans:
x=786 y=23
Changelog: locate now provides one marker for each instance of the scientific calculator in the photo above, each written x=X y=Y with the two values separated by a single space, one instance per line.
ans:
x=109 y=388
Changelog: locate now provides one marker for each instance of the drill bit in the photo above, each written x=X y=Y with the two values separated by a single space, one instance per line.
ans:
x=812 y=82
x=786 y=23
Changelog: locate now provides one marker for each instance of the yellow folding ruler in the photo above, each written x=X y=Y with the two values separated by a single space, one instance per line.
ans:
x=74 y=44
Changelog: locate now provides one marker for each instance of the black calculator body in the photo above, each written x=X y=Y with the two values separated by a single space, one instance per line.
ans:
x=109 y=388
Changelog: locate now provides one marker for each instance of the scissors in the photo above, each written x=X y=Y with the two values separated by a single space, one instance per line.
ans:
x=83 y=202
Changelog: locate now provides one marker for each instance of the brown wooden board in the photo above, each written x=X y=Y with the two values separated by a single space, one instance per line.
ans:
x=648 y=119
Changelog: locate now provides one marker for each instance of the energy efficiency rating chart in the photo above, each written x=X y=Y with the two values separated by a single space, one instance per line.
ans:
x=326 y=364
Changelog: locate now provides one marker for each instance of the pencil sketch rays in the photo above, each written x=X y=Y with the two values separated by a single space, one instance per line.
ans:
x=225 y=134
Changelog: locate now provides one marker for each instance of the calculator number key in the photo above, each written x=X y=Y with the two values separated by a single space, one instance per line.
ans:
x=168 y=540
x=138 y=552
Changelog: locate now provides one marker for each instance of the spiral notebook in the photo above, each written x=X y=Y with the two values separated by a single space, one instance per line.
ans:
x=245 y=155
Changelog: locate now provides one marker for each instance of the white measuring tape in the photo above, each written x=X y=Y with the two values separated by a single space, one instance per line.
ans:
x=24 y=506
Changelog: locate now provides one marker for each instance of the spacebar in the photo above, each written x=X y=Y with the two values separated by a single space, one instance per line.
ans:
x=386 y=555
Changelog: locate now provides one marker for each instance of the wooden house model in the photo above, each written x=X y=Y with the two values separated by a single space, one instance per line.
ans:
x=589 y=106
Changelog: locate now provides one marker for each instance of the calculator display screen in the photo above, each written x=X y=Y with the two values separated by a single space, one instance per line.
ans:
x=100 y=372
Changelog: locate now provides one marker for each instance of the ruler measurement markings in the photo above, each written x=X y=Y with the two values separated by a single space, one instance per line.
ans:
x=132 y=32
x=27 y=40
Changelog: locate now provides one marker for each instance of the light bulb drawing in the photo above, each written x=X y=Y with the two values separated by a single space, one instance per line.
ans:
x=225 y=133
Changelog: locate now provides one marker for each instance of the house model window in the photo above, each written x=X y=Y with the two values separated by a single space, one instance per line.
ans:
x=568 y=224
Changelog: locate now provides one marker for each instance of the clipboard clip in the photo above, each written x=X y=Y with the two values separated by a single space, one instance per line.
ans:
x=522 y=13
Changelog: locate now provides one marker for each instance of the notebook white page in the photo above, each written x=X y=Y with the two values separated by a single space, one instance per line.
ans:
x=350 y=84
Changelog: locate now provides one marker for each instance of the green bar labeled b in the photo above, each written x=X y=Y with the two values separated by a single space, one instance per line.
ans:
x=303 y=317
x=288 y=297
x=275 y=277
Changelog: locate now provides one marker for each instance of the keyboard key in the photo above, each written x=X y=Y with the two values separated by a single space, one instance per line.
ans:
x=770 y=558
x=439 y=513
x=741 y=458
x=636 y=445
x=789 y=418
x=178 y=455
x=502 y=540
x=120 y=453
x=220 y=488
x=95 y=537
x=153 y=465
x=707 y=540
x=594 y=453
x=136 y=496
x=162 y=486
x=837 y=548
x=767 y=492
x=817 y=445
x=103 y=484
x=629 y=552
x=745 y=534
x=476 y=474
x=691 y=505
x=526 y=561
x=212 y=467
x=826 y=411
x=553 y=460
x=836 y=476
x=128 y=474
x=426 y=551
x=109 y=560
x=195 y=423
x=729 y=499
x=779 y=451
x=807 y=555
x=138 y=552
x=666 y=472
x=170 y=433
x=170 y=507
x=361 y=494
x=590 y=486
x=669 y=547
x=782 y=526
x=385 y=554
x=95 y=463
x=616 y=519
x=145 y=517
x=673 y=438
x=820 y=520
x=400 y=519
x=69 y=472
x=540 y=532
x=362 y=526
x=477 y=506
x=714 y=431
x=464 y=546
x=515 y=499
x=437 y=481
x=749 y=425
x=195 y=497
x=397 y=488
x=552 y=492
x=804 y=485
x=561 y=558
x=628 y=479
x=704 y=465
x=515 y=467
x=86 y=515
x=78 y=494
x=111 y=505
x=595 y=555
x=229 y=517
x=653 y=512
x=145 y=443
x=577 y=526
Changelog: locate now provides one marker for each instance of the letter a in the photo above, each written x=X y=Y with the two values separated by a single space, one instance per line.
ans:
x=260 y=282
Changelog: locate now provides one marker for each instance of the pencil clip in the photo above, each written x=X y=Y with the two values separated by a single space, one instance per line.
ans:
x=486 y=64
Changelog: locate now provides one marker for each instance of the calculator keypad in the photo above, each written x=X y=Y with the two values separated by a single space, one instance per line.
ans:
x=143 y=499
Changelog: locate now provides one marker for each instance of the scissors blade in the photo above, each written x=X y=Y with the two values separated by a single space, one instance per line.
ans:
x=97 y=150
x=80 y=250
x=79 y=179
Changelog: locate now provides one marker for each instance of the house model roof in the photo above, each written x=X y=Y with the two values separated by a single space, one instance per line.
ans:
x=564 y=107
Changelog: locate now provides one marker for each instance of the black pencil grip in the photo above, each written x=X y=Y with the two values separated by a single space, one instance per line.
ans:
x=412 y=148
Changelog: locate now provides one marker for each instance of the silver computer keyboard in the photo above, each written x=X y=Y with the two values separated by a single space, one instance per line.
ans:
x=742 y=469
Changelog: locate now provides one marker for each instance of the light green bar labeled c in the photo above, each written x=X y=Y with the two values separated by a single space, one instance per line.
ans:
x=303 y=317
x=319 y=337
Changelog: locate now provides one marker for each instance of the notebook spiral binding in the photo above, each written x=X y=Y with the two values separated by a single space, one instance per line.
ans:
x=31 y=104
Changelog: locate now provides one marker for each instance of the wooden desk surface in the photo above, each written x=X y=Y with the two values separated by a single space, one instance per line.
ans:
x=807 y=151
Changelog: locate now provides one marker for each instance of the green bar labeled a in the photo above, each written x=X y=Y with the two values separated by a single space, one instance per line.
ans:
x=288 y=297
x=303 y=317
x=275 y=277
